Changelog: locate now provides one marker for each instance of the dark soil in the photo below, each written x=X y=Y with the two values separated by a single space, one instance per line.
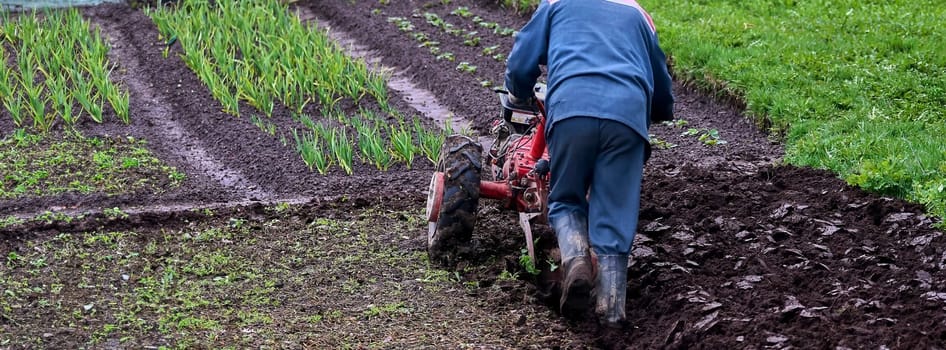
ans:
x=734 y=249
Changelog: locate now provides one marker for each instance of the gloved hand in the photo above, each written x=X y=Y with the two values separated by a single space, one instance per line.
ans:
x=522 y=103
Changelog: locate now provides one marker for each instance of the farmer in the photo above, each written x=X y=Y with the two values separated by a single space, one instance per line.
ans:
x=607 y=81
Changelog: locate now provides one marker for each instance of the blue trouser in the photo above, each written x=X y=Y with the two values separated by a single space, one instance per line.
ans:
x=597 y=166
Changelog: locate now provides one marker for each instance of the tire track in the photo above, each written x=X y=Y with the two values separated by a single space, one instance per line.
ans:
x=418 y=98
x=149 y=105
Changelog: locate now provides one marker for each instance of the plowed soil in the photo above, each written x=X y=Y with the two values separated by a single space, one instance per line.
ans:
x=735 y=250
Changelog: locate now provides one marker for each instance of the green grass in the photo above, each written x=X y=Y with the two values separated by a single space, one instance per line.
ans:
x=32 y=165
x=857 y=88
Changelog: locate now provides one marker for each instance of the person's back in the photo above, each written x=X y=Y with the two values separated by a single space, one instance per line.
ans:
x=601 y=59
x=607 y=80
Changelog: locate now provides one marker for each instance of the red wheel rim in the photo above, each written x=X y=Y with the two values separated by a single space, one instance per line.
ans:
x=434 y=197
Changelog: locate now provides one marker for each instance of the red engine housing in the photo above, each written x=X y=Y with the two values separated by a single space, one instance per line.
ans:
x=522 y=188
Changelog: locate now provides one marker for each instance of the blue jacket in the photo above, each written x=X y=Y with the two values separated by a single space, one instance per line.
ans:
x=603 y=61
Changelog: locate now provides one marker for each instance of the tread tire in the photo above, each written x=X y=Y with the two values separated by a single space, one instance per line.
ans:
x=460 y=162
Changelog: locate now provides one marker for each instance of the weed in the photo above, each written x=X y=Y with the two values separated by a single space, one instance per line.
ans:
x=114 y=213
x=10 y=221
x=527 y=263
x=508 y=276
x=13 y=258
x=385 y=310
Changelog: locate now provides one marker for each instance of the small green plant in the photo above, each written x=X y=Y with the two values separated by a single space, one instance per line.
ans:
x=13 y=258
x=488 y=25
x=462 y=11
x=678 y=123
x=375 y=311
x=14 y=105
x=402 y=143
x=403 y=24
x=661 y=144
x=114 y=213
x=552 y=265
x=429 y=142
x=10 y=221
x=372 y=146
x=466 y=67
x=527 y=263
x=421 y=37
x=267 y=127
x=435 y=20
x=471 y=39
x=709 y=137
x=310 y=148
x=446 y=56
x=508 y=276
x=504 y=31
x=342 y=148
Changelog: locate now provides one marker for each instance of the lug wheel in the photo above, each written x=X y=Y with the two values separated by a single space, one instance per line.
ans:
x=453 y=198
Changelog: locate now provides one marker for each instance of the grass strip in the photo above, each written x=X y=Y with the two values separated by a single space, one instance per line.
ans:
x=856 y=87
x=35 y=165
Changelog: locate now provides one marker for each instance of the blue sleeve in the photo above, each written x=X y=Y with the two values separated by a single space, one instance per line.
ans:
x=662 y=103
x=528 y=52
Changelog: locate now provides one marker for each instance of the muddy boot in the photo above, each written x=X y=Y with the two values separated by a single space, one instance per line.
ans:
x=611 y=290
x=572 y=233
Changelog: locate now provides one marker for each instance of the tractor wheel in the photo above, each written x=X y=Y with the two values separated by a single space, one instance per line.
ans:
x=453 y=198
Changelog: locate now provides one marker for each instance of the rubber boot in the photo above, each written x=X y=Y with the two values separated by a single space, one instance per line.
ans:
x=572 y=233
x=611 y=290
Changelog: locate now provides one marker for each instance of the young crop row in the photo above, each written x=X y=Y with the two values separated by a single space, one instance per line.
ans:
x=373 y=140
x=468 y=37
x=59 y=71
x=259 y=53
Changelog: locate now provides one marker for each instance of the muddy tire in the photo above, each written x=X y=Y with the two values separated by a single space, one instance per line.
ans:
x=460 y=165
